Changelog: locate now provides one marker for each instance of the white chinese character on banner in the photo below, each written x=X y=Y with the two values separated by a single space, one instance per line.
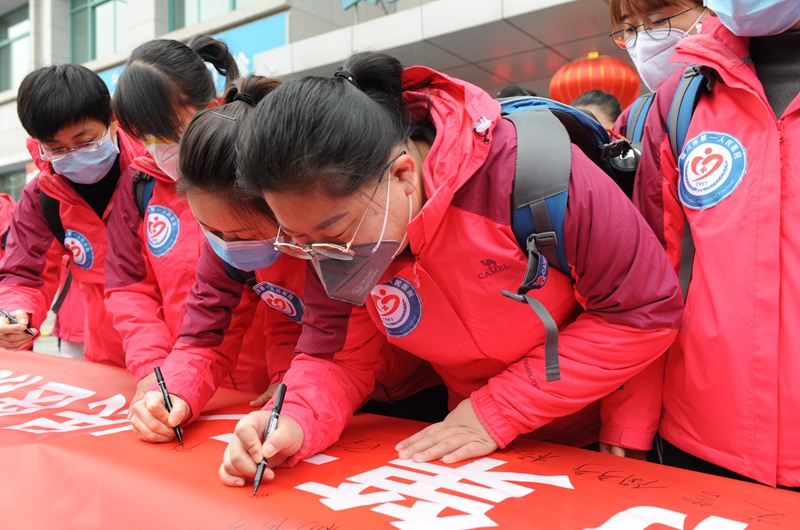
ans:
x=79 y=420
x=425 y=482
x=48 y=396
x=8 y=383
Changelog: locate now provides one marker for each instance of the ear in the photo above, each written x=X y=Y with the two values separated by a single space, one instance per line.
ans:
x=405 y=170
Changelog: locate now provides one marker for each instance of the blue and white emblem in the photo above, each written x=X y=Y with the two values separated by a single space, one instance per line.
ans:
x=398 y=305
x=163 y=228
x=81 y=249
x=281 y=300
x=711 y=167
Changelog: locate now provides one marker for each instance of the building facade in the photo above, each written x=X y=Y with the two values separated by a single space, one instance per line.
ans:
x=488 y=42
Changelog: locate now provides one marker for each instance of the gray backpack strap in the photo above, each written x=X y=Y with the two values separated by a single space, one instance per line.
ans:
x=543 y=168
x=687 y=259
x=544 y=162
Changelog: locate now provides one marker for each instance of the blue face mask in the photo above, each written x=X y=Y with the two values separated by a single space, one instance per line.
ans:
x=244 y=255
x=756 y=18
x=88 y=167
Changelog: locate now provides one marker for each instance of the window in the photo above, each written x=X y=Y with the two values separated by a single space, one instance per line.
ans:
x=98 y=28
x=15 y=47
x=184 y=13
x=12 y=183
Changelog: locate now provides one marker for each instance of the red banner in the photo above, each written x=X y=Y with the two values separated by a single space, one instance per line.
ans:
x=70 y=460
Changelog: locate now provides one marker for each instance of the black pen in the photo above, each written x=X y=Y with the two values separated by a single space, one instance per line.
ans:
x=167 y=401
x=13 y=320
x=271 y=426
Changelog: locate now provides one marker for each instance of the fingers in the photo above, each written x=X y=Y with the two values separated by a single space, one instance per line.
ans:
x=149 y=419
x=14 y=337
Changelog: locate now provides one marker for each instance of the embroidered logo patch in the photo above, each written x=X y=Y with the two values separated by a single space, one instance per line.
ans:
x=398 y=306
x=281 y=300
x=711 y=167
x=162 y=229
x=82 y=253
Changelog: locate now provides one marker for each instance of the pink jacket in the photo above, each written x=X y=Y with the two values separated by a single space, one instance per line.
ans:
x=29 y=276
x=442 y=300
x=730 y=393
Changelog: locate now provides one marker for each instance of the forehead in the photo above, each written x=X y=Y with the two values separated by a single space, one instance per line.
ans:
x=70 y=132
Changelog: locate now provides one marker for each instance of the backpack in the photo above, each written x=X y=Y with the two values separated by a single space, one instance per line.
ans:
x=696 y=81
x=143 y=192
x=545 y=130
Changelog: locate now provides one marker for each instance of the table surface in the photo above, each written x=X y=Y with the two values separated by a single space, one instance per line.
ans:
x=70 y=460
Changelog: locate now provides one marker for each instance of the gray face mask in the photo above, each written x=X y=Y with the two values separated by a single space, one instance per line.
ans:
x=351 y=281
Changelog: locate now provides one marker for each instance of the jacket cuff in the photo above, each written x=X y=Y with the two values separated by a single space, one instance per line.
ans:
x=146 y=369
x=492 y=418
x=641 y=440
x=306 y=420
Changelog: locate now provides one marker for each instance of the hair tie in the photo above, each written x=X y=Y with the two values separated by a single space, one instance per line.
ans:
x=344 y=74
x=247 y=98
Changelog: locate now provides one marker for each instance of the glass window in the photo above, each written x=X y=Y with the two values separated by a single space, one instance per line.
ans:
x=99 y=28
x=184 y=13
x=15 y=47
x=12 y=183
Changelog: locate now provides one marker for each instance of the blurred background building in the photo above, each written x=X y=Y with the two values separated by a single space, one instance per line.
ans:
x=491 y=43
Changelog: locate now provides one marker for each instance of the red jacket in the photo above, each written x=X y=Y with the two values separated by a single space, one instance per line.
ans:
x=441 y=301
x=29 y=276
x=730 y=393
x=7 y=207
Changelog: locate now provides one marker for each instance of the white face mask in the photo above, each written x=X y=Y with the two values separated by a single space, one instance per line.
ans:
x=165 y=154
x=650 y=55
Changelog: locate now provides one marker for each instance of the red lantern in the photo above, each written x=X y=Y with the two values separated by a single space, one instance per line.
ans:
x=596 y=72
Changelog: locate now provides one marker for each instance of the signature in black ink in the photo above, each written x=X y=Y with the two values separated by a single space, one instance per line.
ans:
x=284 y=524
x=622 y=478
x=535 y=456
x=358 y=446
x=186 y=448
x=703 y=499
x=761 y=514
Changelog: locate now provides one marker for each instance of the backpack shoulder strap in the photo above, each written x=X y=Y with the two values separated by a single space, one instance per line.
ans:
x=246 y=277
x=539 y=205
x=143 y=191
x=696 y=81
x=52 y=214
x=634 y=130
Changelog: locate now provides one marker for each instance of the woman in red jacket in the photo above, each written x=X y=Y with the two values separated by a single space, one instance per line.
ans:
x=396 y=185
x=155 y=242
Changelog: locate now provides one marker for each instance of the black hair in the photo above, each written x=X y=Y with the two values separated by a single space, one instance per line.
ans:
x=53 y=97
x=606 y=101
x=510 y=91
x=334 y=133
x=161 y=76
x=208 y=154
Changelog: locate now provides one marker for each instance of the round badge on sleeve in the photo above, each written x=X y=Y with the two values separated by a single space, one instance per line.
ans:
x=163 y=228
x=711 y=165
x=398 y=305
x=81 y=249
x=281 y=300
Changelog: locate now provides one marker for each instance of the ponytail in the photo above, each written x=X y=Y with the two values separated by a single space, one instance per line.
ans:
x=335 y=133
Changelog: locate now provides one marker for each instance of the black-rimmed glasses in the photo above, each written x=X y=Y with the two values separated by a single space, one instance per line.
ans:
x=625 y=34
x=331 y=250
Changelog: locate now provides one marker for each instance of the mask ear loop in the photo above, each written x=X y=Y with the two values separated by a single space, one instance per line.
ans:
x=385 y=213
x=405 y=235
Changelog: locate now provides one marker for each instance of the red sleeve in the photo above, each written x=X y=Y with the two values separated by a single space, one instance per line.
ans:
x=29 y=273
x=632 y=306
x=133 y=297
x=334 y=372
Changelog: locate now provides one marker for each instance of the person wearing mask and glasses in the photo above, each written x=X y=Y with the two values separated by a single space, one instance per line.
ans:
x=84 y=160
x=649 y=30
x=395 y=185
x=731 y=399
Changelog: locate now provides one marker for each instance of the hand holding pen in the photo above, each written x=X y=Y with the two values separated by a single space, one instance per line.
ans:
x=167 y=401
x=271 y=426
x=15 y=339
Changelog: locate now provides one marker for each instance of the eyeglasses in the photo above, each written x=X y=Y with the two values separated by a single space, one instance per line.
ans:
x=624 y=32
x=86 y=147
x=331 y=250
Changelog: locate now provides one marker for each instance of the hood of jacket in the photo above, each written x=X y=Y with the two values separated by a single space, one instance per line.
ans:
x=464 y=117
